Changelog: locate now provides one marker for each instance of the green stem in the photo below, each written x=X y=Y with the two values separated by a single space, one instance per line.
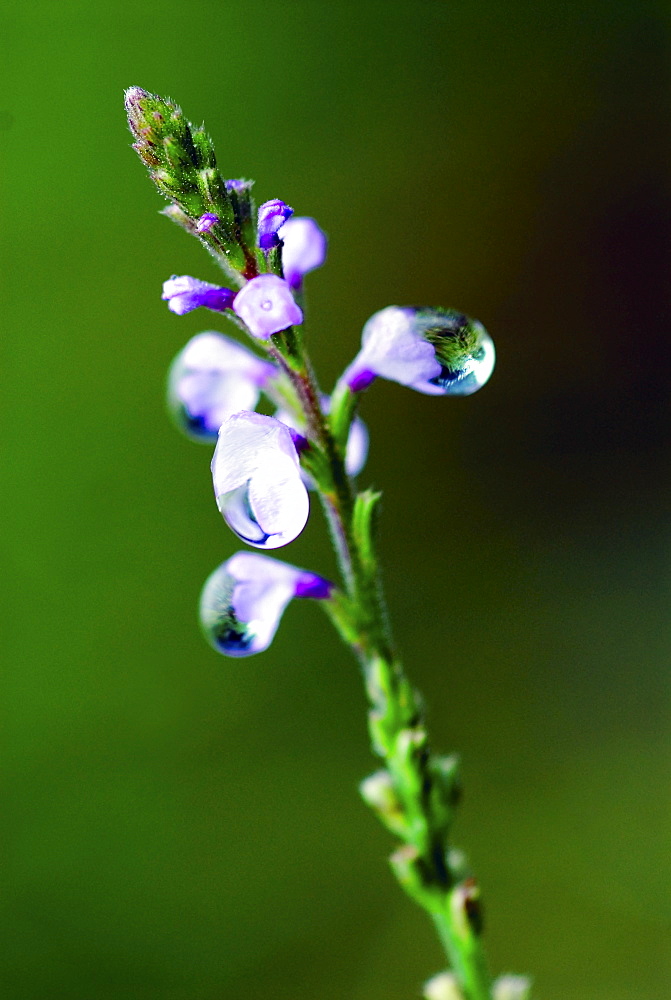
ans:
x=416 y=793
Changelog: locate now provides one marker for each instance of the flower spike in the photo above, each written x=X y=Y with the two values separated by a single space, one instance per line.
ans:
x=243 y=600
x=211 y=378
x=257 y=481
x=439 y=352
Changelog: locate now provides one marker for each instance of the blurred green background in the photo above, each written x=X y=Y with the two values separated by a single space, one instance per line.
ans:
x=178 y=826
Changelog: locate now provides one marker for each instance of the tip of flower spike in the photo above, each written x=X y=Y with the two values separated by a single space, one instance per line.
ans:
x=132 y=96
x=146 y=110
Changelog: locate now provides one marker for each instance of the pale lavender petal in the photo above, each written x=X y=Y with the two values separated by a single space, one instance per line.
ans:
x=303 y=248
x=184 y=293
x=439 y=352
x=265 y=304
x=243 y=600
x=394 y=349
x=391 y=348
x=257 y=483
x=211 y=378
x=357 y=447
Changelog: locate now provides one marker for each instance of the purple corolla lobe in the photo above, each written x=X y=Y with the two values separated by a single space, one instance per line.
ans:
x=272 y=215
x=211 y=378
x=265 y=304
x=243 y=601
x=303 y=248
x=184 y=293
x=257 y=480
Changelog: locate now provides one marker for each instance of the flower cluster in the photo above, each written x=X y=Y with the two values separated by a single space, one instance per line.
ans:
x=260 y=485
x=264 y=465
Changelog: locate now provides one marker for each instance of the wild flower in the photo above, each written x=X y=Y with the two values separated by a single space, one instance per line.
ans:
x=263 y=464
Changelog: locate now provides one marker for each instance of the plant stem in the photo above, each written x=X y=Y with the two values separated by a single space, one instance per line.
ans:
x=416 y=793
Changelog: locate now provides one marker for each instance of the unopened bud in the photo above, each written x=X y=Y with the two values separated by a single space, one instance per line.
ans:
x=510 y=987
x=466 y=909
x=457 y=864
x=377 y=791
x=444 y=986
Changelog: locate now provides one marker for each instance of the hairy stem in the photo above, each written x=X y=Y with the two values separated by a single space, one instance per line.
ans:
x=416 y=793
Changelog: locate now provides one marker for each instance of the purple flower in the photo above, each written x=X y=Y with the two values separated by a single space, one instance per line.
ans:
x=211 y=378
x=272 y=215
x=440 y=352
x=267 y=306
x=243 y=600
x=357 y=441
x=206 y=221
x=303 y=248
x=257 y=480
x=184 y=293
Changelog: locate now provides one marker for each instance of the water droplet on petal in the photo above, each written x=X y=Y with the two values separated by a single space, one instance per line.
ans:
x=243 y=601
x=472 y=371
x=222 y=628
x=238 y=514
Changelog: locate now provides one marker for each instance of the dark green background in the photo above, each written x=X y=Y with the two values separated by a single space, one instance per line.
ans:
x=178 y=826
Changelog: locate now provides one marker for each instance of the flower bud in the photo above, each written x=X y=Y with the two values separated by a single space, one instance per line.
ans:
x=510 y=987
x=444 y=986
x=272 y=215
x=243 y=600
x=440 y=352
x=184 y=293
x=206 y=222
x=378 y=792
x=265 y=304
x=303 y=248
x=257 y=480
x=211 y=378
